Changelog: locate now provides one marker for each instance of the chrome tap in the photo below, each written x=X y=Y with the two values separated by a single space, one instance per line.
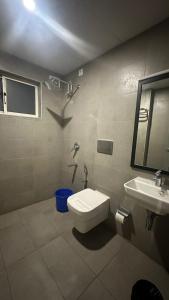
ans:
x=158 y=178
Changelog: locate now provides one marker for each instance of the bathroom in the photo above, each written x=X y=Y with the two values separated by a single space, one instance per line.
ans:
x=89 y=64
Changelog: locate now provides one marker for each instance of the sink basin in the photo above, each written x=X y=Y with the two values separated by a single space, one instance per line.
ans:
x=148 y=195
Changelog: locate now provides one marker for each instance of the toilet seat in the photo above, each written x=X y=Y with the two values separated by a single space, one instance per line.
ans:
x=87 y=204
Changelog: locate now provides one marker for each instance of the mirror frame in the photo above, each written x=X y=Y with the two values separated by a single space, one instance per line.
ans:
x=150 y=79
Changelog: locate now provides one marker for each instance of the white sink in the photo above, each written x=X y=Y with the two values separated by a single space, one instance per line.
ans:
x=147 y=195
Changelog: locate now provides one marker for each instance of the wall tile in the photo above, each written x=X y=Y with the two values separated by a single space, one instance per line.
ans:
x=104 y=107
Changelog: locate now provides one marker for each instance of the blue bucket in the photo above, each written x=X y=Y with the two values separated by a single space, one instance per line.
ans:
x=61 y=199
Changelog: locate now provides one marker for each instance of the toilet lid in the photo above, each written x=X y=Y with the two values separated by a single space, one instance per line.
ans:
x=87 y=200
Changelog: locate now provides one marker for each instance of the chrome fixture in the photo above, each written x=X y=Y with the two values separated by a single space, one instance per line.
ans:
x=158 y=178
x=86 y=177
x=75 y=149
x=69 y=96
x=57 y=83
x=143 y=114
x=75 y=165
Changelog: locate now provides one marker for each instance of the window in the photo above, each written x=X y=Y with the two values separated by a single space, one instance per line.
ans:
x=18 y=98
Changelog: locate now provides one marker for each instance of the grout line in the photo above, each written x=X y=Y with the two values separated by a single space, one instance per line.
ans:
x=7 y=275
x=105 y=287
x=37 y=250
x=74 y=250
x=56 y=281
x=51 y=275
x=31 y=252
x=85 y=289
x=82 y=258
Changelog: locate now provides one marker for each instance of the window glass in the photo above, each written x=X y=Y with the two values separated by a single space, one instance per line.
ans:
x=20 y=97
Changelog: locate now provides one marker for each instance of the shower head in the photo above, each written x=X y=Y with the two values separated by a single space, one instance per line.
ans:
x=56 y=83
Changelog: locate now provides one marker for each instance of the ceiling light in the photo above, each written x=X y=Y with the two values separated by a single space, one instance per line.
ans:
x=30 y=4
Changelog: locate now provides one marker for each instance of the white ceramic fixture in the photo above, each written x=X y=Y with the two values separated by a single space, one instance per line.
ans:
x=148 y=195
x=88 y=208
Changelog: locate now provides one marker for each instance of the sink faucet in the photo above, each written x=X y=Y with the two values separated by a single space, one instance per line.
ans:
x=158 y=178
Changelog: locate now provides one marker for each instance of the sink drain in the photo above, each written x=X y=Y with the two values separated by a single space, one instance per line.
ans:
x=145 y=290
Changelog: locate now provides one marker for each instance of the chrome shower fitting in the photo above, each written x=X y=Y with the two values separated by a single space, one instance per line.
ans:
x=55 y=82
x=86 y=177
x=75 y=148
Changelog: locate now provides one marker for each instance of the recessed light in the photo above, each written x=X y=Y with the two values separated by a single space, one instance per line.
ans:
x=30 y=4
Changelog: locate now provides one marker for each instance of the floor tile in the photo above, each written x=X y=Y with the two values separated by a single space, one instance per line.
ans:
x=68 y=270
x=93 y=248
x=63 y=221
x=68 y=263
x=129 y=266
x=1 y=263
x=41 y=229
x=9 y=219
x=30 y=280
x=15 y=243
x=46 y=206
x=96 y=292
x=28 y=212
x=5 y=293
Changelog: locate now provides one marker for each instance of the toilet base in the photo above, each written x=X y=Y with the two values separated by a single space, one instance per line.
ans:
x=84 y=226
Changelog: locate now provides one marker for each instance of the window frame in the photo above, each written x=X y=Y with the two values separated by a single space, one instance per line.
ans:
x=5 y=111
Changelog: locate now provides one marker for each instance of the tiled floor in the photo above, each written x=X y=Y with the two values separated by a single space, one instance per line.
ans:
x=42 y=258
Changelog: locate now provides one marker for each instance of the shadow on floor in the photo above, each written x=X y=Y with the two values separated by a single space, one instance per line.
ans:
x=62 y=121
x=96 y=238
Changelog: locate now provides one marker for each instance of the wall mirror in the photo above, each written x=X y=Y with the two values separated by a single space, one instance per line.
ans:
x=151 y=131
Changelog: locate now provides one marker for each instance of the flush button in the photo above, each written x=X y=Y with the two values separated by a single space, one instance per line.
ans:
x=105 y=147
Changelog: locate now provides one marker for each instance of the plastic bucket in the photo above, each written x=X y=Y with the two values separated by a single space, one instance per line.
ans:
x=61 y=199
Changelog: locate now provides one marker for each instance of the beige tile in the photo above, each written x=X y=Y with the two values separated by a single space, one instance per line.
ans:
x=40 y=228
x=30 y=280
x=9 y=219
x=1 y=263
x=129 y=266
x=21 y=167
x=5 y=293
x=97 y=248
x=68 y=270
x=14 y=148
x=12 y=186
x=11 y=201
x=96 y=292
x=15 y=243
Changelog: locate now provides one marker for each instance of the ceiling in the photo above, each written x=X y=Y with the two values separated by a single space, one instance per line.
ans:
x=65 y=34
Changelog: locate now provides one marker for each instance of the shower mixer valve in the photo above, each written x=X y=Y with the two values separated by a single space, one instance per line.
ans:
x=76 y=147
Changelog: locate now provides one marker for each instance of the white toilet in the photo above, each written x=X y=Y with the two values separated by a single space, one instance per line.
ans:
x=88 y=208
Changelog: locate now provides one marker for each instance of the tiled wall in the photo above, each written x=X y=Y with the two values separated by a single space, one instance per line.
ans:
x=104 y=107
x=30 y=149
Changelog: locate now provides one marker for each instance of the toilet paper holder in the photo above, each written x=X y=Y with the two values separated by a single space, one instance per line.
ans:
x=124 y=212
x=121 y=215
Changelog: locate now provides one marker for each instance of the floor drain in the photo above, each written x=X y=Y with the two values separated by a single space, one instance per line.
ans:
x=145 y=290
